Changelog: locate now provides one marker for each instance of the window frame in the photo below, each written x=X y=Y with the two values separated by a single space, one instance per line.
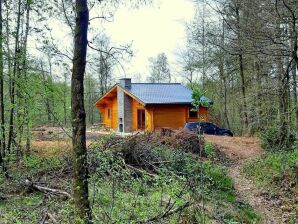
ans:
x=190 y=111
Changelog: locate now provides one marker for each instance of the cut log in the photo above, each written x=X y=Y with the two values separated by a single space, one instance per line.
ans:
x=51 y=217
x=46 y=189
x=43 y=219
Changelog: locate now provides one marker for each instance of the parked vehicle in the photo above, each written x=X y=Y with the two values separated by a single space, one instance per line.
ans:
x=207 y=128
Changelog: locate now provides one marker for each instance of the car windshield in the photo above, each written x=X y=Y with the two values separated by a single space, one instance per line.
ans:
x=191 y=125
x=208 y=124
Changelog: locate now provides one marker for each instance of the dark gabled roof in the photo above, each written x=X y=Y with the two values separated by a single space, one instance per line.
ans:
x=162 y=93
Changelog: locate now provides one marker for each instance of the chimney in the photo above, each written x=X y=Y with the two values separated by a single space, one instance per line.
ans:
x=124 y=106
x=126 y=83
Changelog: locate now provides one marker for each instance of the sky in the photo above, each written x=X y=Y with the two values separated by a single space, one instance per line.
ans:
x=152 y=29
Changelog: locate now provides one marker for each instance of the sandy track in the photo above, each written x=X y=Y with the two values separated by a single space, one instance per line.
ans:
x=240 y=150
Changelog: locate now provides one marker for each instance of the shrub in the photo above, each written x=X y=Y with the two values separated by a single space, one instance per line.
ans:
x=209 y=150
x=272 y=139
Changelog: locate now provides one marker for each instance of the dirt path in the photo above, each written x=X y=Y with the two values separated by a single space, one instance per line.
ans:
x=240 y=150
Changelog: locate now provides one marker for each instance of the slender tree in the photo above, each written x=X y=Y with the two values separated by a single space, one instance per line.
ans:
x=80 y=187
x=2 y=112
x=11 y=134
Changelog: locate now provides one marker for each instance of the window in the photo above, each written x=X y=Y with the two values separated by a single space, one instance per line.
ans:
x=192 y=113
x=109 y=113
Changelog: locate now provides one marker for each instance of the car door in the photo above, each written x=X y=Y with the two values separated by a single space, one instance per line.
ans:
x=210 y=129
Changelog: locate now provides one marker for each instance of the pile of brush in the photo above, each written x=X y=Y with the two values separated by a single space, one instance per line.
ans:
x=145 y=151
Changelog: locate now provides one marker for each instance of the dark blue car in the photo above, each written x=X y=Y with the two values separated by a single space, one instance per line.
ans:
x=207 y=128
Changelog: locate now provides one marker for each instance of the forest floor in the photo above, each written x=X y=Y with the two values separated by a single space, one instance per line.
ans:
x=237 y=150
x=241 y=150
x=234 y=153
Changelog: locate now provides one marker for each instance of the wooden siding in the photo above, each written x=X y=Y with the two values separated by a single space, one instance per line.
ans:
x=109 y=102
x=173 y=116
x=149 y=115
x=114 y=114
x=156 y=117
x=170 y=116
x=111 y=105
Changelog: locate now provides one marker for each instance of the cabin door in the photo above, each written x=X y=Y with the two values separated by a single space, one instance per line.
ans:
x=109 y=118
x=141 y=119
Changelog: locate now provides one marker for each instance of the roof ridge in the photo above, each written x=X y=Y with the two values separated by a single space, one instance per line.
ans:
x=164 y=83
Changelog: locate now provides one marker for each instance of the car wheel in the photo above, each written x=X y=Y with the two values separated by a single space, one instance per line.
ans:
x=227 y=134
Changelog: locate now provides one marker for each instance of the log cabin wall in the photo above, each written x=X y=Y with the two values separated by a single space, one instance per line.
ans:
x=174 y=116
x=169 y=116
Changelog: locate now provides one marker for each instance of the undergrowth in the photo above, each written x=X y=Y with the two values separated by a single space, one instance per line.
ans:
x=139 y=179
x=277 y=173
x=274 y=169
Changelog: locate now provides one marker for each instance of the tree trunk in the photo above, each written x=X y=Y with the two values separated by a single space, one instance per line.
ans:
x=2 y=112
x=295 y=66
x=51 y=100
x=203 y=46
x=257 y=65
x=47 y=100
x=11 y=134
x=64 y=101
x=241 y=70
x=26 y=107
x=80 y=188
x=282 y=102
x=89 y=100
x=294 y=78
x=223 y=77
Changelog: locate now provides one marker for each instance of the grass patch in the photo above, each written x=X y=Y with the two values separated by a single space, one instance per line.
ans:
x=274 y=169
x=277 y=173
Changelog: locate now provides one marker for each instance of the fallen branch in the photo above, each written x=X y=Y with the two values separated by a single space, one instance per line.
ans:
x=140 y=171
x=47 y=216
x=43 y=218
x=51 y=217
x=46 y=189
x=167 y=213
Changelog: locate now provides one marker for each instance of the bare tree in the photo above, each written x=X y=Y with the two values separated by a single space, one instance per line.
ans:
x=160 y=71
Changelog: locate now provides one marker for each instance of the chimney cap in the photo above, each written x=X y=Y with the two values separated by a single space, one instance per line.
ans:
x=125 y=82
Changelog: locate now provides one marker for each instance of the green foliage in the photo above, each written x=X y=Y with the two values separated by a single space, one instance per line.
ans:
x=209 y=150
x=271 y=139
x=34 y=164
x=30 y=208
x=197 y=94
x=274 y=169
x=41 y=90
